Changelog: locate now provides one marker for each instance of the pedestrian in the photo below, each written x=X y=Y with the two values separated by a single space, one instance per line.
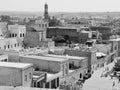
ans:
x=119 y=80
x=113 y=84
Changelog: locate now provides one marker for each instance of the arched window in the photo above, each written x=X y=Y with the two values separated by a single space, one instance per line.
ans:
x=12 y=35
x=80 y=75
x=20 y=34
x=23 y=35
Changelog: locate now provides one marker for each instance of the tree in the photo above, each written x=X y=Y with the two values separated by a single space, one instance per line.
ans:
x=117 y=66
x=54 y=22
x=5 y=18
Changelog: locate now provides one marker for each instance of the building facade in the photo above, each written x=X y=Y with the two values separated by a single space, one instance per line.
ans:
x=15 y=74
x=36 y=34
x=90 y=53
x=9 y=43
x=65 y=32
x=18 y=31
x=3 y=58
x=48 y=64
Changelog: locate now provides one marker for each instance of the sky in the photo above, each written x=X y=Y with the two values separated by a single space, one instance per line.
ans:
x=61 y=5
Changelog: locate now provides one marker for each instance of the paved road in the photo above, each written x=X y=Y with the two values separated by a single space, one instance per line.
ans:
x=101 y=83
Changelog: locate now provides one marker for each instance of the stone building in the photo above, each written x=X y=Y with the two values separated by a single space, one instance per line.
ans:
x=45 y=80
x=84 y=36
x=18 y=31
x=101 y=60
x=15 y=74
x=73 y=34
x=78 y=67
x=37 y=38
x=4 y=29
x=118 y=40
x=9 y=43
x=105 y=31
x=13 y=55
x=23 y=88
x=55 y=68
x=65 y=32
x=3 y=58
x=36 y=34
x=104 y=48
x=84 y=51
x=48 y=64
x=114 y=49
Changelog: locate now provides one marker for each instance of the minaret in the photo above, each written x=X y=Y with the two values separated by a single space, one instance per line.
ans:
x=46 y=15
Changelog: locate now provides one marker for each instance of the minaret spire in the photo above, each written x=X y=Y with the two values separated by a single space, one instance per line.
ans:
x=46 y=15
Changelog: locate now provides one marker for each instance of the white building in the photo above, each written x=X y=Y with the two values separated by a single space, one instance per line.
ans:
x=3 y=57
x=15 y=74
x=9 y=43
x=18 y=31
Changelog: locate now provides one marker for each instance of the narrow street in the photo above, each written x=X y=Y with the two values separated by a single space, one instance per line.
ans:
x=96 y=82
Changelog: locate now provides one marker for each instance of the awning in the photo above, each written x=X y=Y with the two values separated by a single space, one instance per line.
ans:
x=100 y=54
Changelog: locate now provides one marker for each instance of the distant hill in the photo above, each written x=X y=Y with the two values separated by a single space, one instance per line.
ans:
x=87 y=14
x=18 y=13
x=65 y=14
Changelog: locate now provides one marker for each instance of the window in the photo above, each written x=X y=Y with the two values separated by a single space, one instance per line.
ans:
x=26 y=78
x=63 y=69
x=5 y=60
x=15 y=45
x=80 y=75
x=42 y=25
x=18 y=44
x=39 y=25
x=15 y=35
x=116 y=47
x=29 y=75
x=12 y=35
x=5 y=47
x=23 y=35
x=8 y=46
x=20 y=34
x=46 y=25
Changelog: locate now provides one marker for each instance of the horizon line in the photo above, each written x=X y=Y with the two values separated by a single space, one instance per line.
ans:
x=64 y=11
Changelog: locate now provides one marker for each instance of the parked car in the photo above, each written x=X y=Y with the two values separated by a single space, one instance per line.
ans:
x=86 y=76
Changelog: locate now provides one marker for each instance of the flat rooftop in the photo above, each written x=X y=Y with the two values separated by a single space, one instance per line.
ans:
x=99 y=54
x=54 y=59
x=50 y=75
x=3 y=55
x=32 y=88
x=83 y=49
x=117 y=39
x=63 y=28
x=55 y=56
x=15 y=65
x=23 y=88
x=68 y=57
x=75 y=57
x=70 y=71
